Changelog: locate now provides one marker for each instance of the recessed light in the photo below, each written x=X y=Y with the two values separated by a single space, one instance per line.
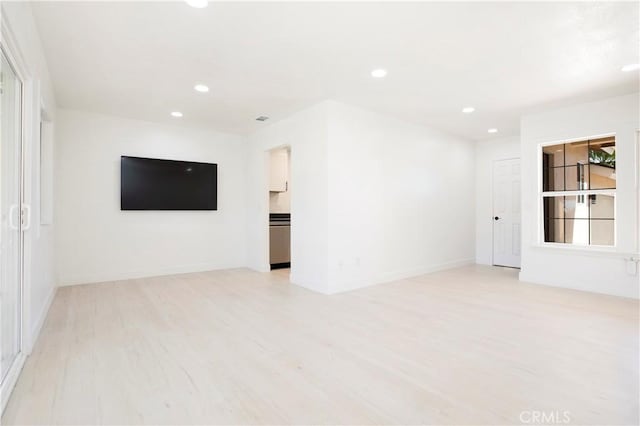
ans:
x=198 y=4
x=201 y=88
x=379 y=73
x=262 y=118
x=177 y=114
x=492 y=130
x=630 y=67
x=468 y=110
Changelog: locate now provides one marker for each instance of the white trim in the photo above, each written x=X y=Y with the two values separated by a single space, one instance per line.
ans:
x=401 y=275
x=11 y=379
x=10 y=48
x=316 y=286
x=526 y=278
x=637 y=183
x=580 y=139
x=27 y=198
x=263 y=268
x=595 y=251
x=13 y=52
x=265 y=221
x=611 y=192
x=81 y=279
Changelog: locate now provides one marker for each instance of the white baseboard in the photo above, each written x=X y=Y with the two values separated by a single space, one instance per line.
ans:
x=132 y=275
x=260 y=268
x=317 y=287
x=400 y=275
x=37 y=325
x=532 y=279
x=10 y=380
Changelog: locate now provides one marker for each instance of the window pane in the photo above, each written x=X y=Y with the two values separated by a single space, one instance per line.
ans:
x=602 y=177
x=602 y=206
x=554 y=231
x=576 y=153
x=553 y=155
x=603 y=152
x=602 y=157
x=602 y=232
x=576 y=207
x=553 y=179
x=576 y=231
x=577 y=177
x=553 y=207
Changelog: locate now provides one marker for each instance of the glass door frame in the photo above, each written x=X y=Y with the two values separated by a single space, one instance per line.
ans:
x=9 y=49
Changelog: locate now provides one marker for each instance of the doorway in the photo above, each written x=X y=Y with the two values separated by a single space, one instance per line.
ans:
x=506 y=213
x=12 y=214
x=280 y=208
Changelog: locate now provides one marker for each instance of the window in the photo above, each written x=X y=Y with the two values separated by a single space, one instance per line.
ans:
x=578 y=192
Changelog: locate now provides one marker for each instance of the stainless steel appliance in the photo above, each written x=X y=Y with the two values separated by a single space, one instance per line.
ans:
x=280 y=240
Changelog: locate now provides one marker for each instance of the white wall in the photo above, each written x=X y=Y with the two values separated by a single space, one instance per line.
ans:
x=39 y=240
x=401 y=199
x=306 y=133
x=487 y=152
x=600 y=271
x=96 y=241
x=372 y=198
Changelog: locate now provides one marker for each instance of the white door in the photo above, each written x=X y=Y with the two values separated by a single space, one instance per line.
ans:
x=11 y=227
x=506 y=213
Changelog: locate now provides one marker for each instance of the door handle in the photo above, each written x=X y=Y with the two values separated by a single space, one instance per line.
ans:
x=26 y=217
x=496 y=218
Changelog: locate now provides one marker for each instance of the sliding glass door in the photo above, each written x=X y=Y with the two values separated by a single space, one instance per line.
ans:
x=10 y=211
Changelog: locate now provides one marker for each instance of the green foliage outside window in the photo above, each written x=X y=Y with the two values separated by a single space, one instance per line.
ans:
x=603 y=158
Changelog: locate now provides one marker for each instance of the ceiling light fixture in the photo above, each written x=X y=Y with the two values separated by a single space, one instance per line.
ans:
x=198 y=4
x=262 y=118
x=630 y=67
x=468 y=110
x=177 y=114
x=492 y=130
x=379 y=73
x=201 y=88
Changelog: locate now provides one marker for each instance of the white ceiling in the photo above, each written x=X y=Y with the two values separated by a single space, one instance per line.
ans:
x=141 y=59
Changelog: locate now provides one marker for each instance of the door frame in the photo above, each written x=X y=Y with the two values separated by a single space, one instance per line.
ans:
x=9 y=47
x=267 y=174
x=493 y=163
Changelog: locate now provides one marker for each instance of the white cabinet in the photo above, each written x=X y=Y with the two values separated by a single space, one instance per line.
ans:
x=279 y=171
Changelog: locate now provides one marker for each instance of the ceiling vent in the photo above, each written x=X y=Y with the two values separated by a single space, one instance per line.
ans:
x=262 y=118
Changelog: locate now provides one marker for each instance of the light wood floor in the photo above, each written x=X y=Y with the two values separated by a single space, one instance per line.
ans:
x=466 y=346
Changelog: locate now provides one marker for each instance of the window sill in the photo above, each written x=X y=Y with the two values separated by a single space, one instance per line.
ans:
x=595 y=251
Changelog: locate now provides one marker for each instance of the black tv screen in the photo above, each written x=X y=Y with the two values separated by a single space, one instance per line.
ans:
x=154 y=184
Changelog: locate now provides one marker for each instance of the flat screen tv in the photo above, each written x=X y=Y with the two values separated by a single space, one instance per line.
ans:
x=154 y=184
